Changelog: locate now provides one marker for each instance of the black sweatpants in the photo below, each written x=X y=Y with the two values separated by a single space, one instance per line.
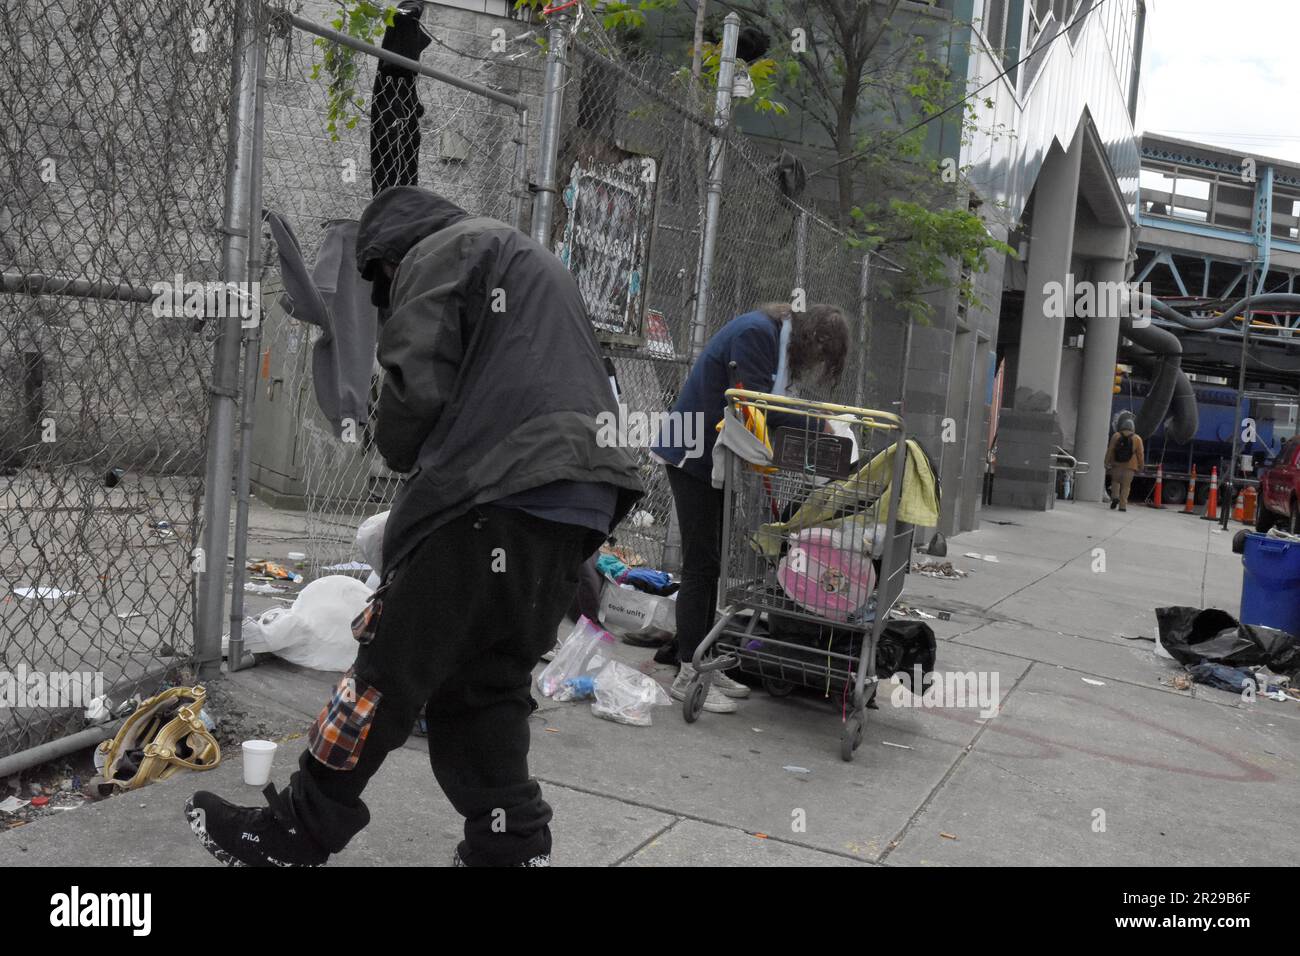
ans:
x=464 y=621
x=699 y=518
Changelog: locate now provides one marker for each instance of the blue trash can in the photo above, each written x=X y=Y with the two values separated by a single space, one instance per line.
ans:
x=1270 y=584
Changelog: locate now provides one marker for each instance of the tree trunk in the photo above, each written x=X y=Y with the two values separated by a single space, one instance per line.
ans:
x=846 y=114
x=697 y=59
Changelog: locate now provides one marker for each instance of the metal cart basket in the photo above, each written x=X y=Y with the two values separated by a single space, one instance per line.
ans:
x=813 y=556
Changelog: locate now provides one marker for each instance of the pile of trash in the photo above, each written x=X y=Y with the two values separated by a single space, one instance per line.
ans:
x=271 y=571
x=583 y=670
x=1219 y=651
x=907 y=611
x=938 y=569
x=22 y=802
x=637 y=603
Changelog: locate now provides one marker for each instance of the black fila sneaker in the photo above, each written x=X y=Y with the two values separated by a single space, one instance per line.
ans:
x=252 y=836
x=542 y=859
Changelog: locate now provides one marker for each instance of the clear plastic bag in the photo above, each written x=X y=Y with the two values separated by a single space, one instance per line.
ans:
x=625 y=695
x=584 y=651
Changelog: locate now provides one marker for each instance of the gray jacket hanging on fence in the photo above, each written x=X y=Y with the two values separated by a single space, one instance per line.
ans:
x=495 y=384
x=335 y=298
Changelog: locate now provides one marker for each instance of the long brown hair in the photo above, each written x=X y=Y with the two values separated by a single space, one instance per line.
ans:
x=819 y=336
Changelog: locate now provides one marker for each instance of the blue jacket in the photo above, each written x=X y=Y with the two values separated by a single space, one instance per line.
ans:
x=753 y=342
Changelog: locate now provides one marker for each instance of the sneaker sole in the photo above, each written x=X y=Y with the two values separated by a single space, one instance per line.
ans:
x=195 y=818
x=224 y=857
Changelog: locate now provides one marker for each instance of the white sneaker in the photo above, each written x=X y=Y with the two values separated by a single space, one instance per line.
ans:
x=732 y=688
x=715 y=702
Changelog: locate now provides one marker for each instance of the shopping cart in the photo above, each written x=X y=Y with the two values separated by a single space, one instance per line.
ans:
x=813 y=554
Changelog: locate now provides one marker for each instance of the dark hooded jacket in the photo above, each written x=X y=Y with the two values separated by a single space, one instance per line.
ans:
x=494 y=379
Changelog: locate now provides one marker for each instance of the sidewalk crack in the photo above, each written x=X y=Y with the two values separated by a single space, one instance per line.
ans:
x=663 y=831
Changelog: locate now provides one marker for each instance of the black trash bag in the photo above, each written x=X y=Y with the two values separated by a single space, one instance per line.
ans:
x=1192 y=635
x=904 y=645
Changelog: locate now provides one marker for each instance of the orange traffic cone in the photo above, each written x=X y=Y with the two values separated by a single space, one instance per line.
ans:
x=1190 y=506
x=1212 y=503
x=1238 y=507
x=1249 y=499
x=1160 y=487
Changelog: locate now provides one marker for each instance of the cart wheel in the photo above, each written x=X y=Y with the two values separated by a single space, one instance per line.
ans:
x=850 y=737
x=694 y=702
x=777 y=688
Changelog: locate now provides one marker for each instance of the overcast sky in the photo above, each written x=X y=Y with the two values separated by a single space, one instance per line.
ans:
x=1224 y=73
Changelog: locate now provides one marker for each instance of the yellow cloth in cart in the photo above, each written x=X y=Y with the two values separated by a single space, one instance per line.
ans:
x=918 y=504
x=756 y=425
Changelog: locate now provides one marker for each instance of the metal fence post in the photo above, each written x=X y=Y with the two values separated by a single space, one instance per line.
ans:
x=557 y=38
x=218 y=470
x=252 y=350
x=864 y=298
x=713 y=203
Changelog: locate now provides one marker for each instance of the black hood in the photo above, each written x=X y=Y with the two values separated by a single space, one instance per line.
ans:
x=396 y=220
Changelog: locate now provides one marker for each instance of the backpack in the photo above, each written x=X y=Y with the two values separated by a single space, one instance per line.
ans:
x=1123 y=449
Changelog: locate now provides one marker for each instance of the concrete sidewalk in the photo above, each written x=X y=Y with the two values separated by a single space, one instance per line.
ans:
x=1087 y=733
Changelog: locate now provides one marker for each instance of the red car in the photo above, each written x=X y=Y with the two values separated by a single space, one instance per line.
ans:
x=1279 y=491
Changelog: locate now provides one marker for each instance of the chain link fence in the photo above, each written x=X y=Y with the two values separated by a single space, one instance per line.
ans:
x=633 y=169
x=112 y=152
x=115 y=149
x=640 y=114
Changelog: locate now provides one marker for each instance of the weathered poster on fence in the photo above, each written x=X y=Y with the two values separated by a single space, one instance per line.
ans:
x=606 y=242
x=658 y=337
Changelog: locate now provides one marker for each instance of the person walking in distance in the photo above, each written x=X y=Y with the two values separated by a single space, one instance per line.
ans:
x=1124 y=458
x=494 y=389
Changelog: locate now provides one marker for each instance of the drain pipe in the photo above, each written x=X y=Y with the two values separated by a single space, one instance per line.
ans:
x=90 y=737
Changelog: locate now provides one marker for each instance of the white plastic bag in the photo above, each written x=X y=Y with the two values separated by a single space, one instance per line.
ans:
x=583 y=652
x=370 y=545
x=317 y=631
x=625 y=695
x=627 y=610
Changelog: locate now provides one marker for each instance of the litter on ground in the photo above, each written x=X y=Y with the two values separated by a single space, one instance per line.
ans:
x=252 y=588
x=43 y=594
x=278 y=572
x=12 y=805
x=938 y=569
